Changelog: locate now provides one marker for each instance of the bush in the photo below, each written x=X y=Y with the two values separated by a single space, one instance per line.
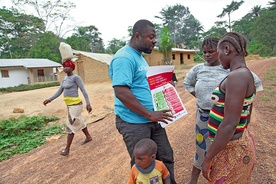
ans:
x=26 y=87
x=23 y=134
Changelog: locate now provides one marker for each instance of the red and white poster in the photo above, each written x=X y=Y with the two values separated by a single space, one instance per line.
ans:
x=164 y=94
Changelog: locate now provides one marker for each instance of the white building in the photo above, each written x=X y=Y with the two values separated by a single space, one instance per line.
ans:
x=27 y=71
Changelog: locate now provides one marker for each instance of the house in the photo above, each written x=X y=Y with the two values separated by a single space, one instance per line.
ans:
x=91 y=67
x=179 y=57
x=26 y=71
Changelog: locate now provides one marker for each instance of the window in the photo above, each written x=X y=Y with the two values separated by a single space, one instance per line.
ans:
x=40 y=72
x=173 y=56
x=189 y=57
x=5 y=73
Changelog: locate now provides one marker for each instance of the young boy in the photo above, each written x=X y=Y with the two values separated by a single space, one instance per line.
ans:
x=147 y=169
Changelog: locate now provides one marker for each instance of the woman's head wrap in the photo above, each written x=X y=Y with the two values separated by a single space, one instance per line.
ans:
x=69 y=63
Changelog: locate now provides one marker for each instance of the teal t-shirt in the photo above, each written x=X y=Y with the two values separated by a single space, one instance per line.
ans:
x=129 y=68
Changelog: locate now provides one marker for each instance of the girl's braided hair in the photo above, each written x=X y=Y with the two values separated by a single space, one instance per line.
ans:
x=237 y=40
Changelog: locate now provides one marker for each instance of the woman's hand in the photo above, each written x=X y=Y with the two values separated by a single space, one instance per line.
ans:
x=46 y=102
x=206 y=168
x=88 y=108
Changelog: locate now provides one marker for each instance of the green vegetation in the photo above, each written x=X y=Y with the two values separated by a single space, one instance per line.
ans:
x=23 y=134
x=265 y=98
x=198 y=57
x=230 y=9
x=26 y=87
x=34 y=36
x=270 y=89
x=271 y=75
x=166 y=45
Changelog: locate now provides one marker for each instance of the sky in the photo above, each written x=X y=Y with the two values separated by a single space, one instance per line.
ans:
x=113 y=17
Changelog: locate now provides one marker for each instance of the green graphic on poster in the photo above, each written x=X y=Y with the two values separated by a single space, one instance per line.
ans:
x=160 y=101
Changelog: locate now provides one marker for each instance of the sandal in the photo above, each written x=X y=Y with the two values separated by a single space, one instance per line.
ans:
x=86 y=140
x=64 y=152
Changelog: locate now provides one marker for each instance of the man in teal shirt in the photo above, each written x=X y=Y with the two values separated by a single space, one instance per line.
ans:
x=135 y=115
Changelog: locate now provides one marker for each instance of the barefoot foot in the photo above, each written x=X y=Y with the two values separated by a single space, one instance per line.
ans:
x=64 y=152
x=88 y=139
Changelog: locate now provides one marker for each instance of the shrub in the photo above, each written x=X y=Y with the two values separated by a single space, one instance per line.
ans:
x=27 y=87
x=23 y=134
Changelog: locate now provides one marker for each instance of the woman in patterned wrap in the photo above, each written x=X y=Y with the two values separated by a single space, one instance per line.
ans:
x=231 y=155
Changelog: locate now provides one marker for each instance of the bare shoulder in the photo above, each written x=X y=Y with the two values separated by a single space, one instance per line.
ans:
x=241 y=74
x=236 y=78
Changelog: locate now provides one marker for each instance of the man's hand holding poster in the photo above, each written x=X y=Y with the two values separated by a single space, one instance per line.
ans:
x=164 y=94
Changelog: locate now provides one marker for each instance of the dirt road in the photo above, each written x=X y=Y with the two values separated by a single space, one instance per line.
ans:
x=105 y=159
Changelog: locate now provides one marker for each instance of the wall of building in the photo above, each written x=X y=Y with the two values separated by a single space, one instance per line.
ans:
x=156 y=58
x=49 y=75
x=186 y=59
x=90 y=70
x=16 y=77
x=94 y=71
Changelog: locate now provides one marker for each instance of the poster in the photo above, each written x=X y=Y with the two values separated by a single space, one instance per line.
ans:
x=164 y=95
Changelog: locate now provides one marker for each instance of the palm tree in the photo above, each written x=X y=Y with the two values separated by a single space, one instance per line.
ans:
x=272 y=5
x=255 y=11
x=229 y=9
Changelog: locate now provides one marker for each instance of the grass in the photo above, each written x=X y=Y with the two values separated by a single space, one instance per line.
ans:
x=265 y=98
x=270 y=89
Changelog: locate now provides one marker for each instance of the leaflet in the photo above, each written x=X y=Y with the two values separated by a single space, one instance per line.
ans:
x=164 y=95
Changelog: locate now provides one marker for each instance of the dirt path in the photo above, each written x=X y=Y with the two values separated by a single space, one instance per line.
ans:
x=105 y=159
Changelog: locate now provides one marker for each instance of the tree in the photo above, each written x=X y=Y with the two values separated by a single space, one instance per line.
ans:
x=229 y=9
x=166 y=45
x=265 y=29
x=216 y=31
x=255 y=11
x=46 y=46
x=78 y=43
x=193 y=32
x=181 y=23
x=114 y=45
x=246 y=24
x=54 y=13
x=129 y=30
x=272 y=5
x=18 y=33
x=86 y=39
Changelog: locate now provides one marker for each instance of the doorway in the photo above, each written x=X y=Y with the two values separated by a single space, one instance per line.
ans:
x=181 y=58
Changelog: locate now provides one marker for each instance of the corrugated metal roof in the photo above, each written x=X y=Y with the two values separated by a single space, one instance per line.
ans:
x=184 y=50
x=104 y=58
x=29 y=63
x=180 y=50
